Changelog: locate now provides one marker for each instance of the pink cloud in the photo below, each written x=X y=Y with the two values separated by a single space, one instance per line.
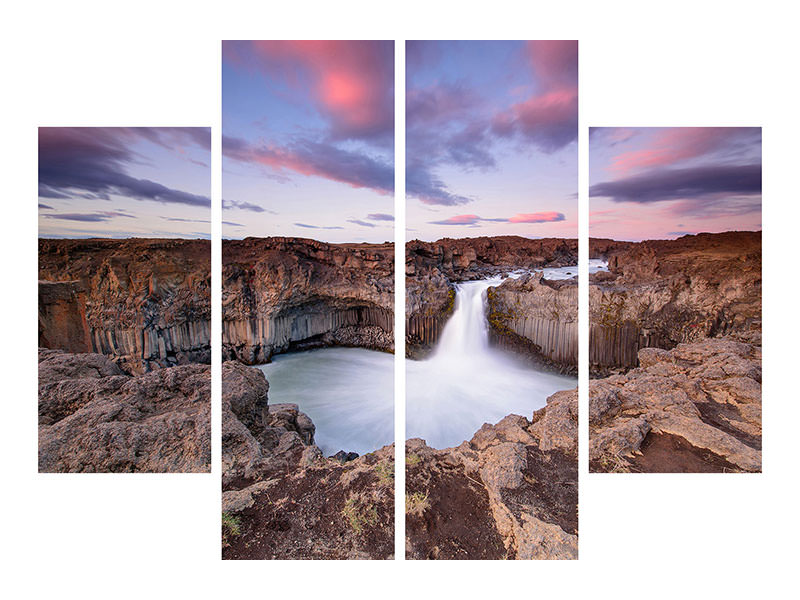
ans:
x=540 y=217
x=318 y=159
x=674 y=145
x=548 y=118
x=352 y=82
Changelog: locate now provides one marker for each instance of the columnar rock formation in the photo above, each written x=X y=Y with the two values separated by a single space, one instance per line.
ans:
x=292 y=293
x=511 y=492
x=281 y=497
x=664 y=292
x=145 y=303
x=433 y=267
x=538 y=315
x=694 y=408
x=95 y=418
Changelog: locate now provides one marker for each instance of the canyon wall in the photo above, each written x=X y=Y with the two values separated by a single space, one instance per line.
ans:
x=660 y=293
x=539 y=316
x=143 y=302
x=433 y=267
x=283 y=294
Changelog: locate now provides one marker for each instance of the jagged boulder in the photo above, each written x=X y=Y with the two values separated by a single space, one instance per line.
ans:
x=94 y=418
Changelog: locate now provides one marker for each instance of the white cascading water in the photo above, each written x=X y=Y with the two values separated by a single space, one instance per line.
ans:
x=466 y=382
x=349 y=392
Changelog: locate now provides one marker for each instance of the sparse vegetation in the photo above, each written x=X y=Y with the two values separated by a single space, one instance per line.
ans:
x=417 y=503
x=413 y=459
x=385 y=473
x=231 y=527
x=359 y=513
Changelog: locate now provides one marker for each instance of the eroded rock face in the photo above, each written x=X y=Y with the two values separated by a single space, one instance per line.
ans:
x=284 y=294
x=534 y=315
x=282 y=498
x=433 y=267
x=511 y=492
x=144 y=303
x=660 y=293
x=694 y=408
x=94 y=418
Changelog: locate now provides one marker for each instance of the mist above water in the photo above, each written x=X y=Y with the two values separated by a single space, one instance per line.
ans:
x=347 y=392
x=465 y=382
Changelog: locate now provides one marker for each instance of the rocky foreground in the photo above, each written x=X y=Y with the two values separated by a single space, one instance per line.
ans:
x=281 y=294
x=144 y=303
x=94 y=418
x=660 y=293
x=282 y=499
x=511 y=492
x=432 y=268
x=696 y=408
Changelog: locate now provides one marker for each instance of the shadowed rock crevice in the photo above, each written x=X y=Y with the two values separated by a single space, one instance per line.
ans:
x=286 y=294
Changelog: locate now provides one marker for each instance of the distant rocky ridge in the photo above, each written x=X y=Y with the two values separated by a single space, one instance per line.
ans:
x=660 y=293
x=144 y=303
x=433 y=267
x=283 y=294
x=695 y=408
x=94 y=418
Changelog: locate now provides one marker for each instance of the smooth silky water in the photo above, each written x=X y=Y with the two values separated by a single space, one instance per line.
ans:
x=465 y=382
x=348 y=392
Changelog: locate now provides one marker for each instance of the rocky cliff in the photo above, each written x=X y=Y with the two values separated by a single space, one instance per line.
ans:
x=696 y=408
x=94 y=418
x=433 y=267
x=282 y=294
x=281 y=497
x=539 y=317
x=145 y=303
x=511 y=492
x=663 y=292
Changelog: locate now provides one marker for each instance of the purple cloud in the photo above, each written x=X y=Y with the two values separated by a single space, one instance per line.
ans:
x=95 y=217
x=380 y=217
x=89 y=162
x=316 y=158
x=307 y=226
x=682 y=184
x=362 y=223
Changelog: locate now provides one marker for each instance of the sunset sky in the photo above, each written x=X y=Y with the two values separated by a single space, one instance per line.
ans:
x=308 y=139
x=124 y=182
x=491 y=138
x=662 y=183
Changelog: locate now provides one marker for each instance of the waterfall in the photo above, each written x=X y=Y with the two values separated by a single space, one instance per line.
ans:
x=466 y=383
x=466 y=334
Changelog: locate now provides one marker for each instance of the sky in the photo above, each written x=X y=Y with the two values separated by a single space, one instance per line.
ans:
x=121 y=182
x=491 y=138
x=665 y=182
x=308 y=139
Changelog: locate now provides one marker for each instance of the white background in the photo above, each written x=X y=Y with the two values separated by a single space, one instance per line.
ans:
x=157 y=63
